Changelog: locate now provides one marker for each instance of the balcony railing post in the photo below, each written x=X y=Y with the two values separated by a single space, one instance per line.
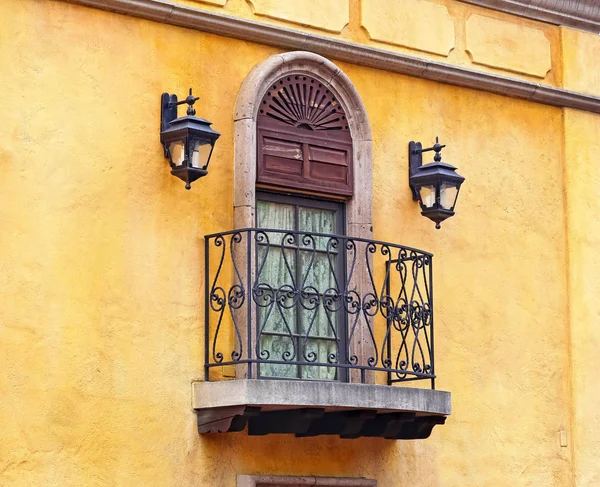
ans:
x=206 y=309
x=432 y=356
x=249 y=283
x=360 y=345
x=389 y=320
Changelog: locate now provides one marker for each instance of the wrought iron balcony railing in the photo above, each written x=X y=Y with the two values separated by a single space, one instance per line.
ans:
x=312 y=306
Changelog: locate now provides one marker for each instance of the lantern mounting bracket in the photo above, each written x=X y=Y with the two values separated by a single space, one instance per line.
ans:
x=415 y=160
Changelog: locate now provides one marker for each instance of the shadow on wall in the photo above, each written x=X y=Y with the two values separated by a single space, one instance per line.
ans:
x=391 y=462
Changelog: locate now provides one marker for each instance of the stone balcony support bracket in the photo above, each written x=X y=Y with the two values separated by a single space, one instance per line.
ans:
x=313 y=408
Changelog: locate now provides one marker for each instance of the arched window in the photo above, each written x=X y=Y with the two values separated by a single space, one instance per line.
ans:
x=359 y=219
x=302 y=166
x=304 y=142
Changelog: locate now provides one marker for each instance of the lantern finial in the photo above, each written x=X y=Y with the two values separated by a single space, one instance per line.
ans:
x=437 y=147
x=190 y=100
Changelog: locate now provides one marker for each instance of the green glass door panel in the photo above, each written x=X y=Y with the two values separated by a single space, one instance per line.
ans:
x=296 y=321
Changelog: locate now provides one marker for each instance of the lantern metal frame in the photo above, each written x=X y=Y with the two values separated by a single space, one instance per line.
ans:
x=188 y=130
x=434 y=174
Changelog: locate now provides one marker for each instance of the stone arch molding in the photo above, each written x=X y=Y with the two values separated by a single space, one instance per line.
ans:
x=359 y=218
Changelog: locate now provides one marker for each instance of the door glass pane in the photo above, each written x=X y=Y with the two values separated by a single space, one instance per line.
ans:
x=321 y=349
x=319 y=270
x=277 y=216
x=314 y=220
x=299 y=310
x=276 y=313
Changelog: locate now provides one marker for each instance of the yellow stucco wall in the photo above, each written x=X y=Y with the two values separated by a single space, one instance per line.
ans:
x=582 y=143
x=582 y=146
x=101 y=276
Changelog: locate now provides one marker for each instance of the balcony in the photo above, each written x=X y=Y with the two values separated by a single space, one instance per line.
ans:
x=322 y=334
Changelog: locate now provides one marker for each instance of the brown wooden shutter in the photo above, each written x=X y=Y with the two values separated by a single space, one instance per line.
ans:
x=303 y=138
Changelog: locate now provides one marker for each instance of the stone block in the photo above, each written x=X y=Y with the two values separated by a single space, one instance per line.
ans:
x=415 y=24
x=285 y=394
x=508 y=46
x=311 y=408
x=329 y=15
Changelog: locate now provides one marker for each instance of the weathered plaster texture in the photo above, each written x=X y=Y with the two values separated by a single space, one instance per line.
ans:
x=504 y=45
x=582 y=146
x=101 y=326
x=580 y=52
x=582 y=178
x=285 y=393
x=402 y=22
x=331 y=15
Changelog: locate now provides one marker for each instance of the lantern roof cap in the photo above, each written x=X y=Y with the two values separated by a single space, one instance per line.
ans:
x=191 y=122
x=441 y=170
x=191 y=118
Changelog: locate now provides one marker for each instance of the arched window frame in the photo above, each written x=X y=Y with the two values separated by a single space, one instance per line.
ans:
x=359 y=213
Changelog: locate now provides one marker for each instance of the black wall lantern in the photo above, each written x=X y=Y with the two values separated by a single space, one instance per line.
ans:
x=435 y=185
x=188 y=141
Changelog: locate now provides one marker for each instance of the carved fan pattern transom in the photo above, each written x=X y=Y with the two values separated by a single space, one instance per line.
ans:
x=303 y=102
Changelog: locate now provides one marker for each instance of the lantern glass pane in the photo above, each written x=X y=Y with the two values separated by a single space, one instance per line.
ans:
x=177 y=152
x=427 y=195
x=200 y=153
x=448 y=194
